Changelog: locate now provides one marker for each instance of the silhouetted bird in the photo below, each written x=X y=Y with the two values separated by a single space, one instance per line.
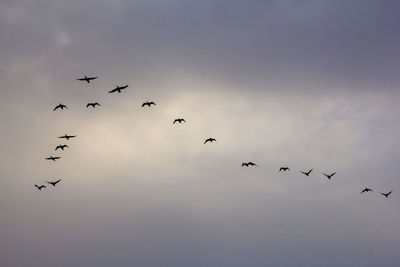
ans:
x=307 y=173
x=40 y=187
x=387 y=194
x=179 y=120
x=67 y=136
x=210 y=140
x=93 y=105
x=118 y=89
x=87 y=79
x=61 y=147
x=54 y=183
x=329 y=176
x=249 y=164
x=61 y=106
x=148 y=104
x=366 y=190
x=53 y=158
x=284 y=169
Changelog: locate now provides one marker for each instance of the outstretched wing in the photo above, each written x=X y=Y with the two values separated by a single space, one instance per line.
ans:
x=56 y=182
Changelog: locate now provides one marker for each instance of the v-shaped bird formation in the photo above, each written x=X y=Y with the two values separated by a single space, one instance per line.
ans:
x=119 y=89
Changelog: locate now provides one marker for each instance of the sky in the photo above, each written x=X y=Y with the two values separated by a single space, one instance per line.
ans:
x=306 y=84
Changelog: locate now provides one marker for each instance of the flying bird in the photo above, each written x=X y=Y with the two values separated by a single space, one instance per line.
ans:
x=87 y=79
x=210 y=140
x=53 y=158
x=329 y=176
x=118 y=89
x=284 y=169
x=179 y=120
x=67 y=136
x=40 y=187
x=366 y=190
x=53 y=183
x=148 y=104
x=61 y=147
x=61 y=106
x=387 y=194
x=249 y=164
x=307 y=173
x=93 y=105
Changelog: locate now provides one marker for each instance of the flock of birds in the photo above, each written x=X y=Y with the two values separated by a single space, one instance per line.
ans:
x=180 y=120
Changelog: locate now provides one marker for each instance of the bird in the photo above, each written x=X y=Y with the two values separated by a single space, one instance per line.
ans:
x=179 y=120
x=53 y=158
x=329 y=176
x=61 y=147
x=249 y=164
x=118 y=89
x=93 y=105
x=40 y=187
x=284 y=169
x=210 y=140
x=87 y=79
x=307 y=173
x=61 y=106
x=148 y=104
x=387 y=194
x=53 y=183
x=67 y=136
x=366 y=190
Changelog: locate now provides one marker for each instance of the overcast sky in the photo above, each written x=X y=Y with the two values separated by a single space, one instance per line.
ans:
x=306 y=84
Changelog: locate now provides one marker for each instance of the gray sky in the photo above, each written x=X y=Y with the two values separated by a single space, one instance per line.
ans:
x=307 y=84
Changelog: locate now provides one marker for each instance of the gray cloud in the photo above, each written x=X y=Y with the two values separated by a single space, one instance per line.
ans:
x=310 y=84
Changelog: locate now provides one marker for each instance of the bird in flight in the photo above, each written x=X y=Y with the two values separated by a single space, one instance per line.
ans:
x=67 y=136
x=284 y=169
x=93 y=105
x=179 y=120
x=118 y=89
x=40 y=187
x=61 y=147
x=53 y=183
x=307 y=173
x=387 y=194
x=148 y=104
x=87 y=79
x=210 y=140
x=366 y=190
x=329 y=176
x=61 y=106
x=249 y=164
x=53 y=158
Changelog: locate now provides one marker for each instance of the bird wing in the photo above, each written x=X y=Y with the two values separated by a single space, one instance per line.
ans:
x=81 y=79
x=113 y=90
x=92 y=78
x=56 y=182
x=144 y=104
x=88 y=105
